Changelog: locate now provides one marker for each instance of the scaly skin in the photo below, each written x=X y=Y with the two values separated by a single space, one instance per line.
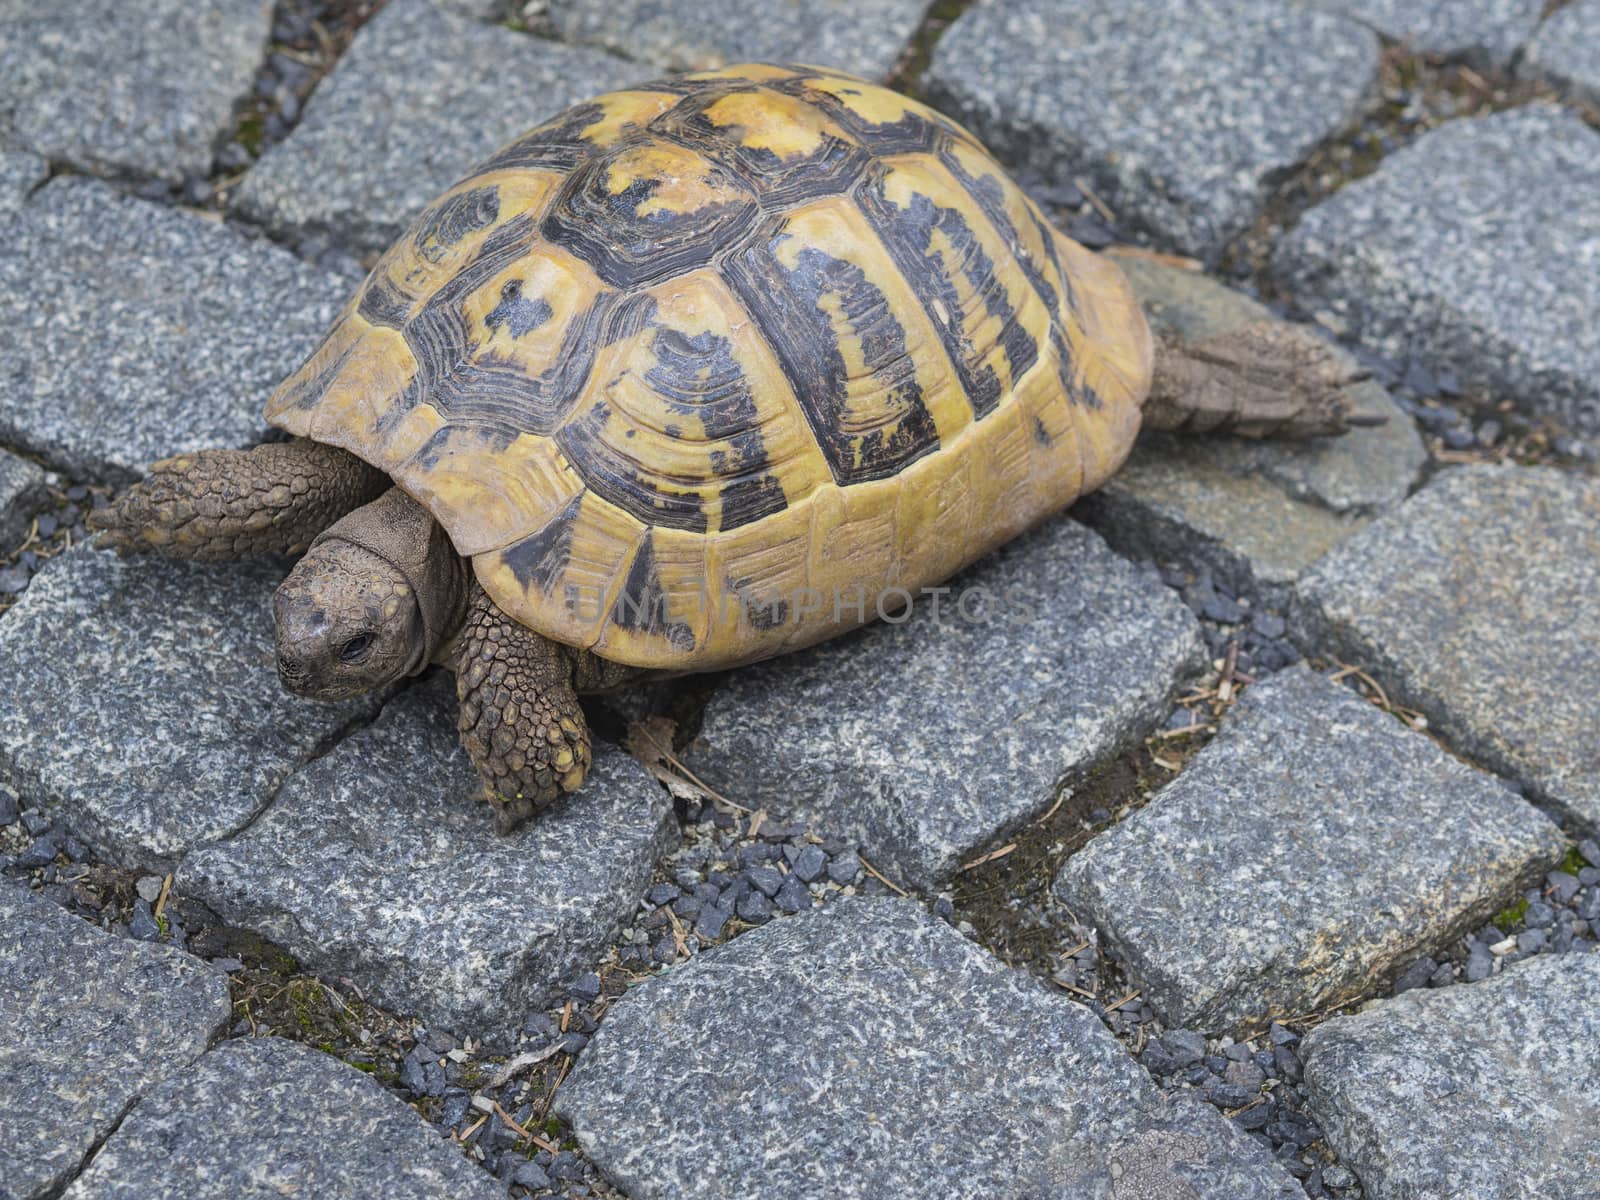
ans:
x=1264 y=379
x=215 y=505
x=520 y=719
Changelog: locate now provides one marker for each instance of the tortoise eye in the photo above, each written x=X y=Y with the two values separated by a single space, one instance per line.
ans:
x=356 y=648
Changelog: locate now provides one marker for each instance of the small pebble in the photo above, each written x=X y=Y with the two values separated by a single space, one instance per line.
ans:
x=810 y=864
x=142 y=923
x=793 y=897
x=844 y=868
x=586 y=989
x=1416 y=975
x=713 y=919
x=766 y=880
x=755 y=908
x=662 y=893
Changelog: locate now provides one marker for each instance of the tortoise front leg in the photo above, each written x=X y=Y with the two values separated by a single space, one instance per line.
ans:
x=224 y=504
x=520 y=722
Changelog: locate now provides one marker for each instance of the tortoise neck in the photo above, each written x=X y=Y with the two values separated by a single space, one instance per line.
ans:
x=399 y=530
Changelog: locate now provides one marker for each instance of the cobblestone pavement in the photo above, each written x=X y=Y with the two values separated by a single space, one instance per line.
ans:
x=1264 y=862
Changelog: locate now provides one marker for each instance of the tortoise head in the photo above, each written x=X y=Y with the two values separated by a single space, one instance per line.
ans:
x=347 y=621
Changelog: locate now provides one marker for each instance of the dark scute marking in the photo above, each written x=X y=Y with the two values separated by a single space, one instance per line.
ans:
x=642 y=604
x=615 y=477
x=438 y=334
x=629 y=248
x=632 y=314
x=519 y=314
x=382 y=303
x=308 y=393
x=447 y=223
x=1041 y=434
x=496 y=397
x=762 y=614
x=911 y=134
x=780 y=184
x=676 y=85
x=557 y=145
x=908 y=234
x=540 y=560
x=787 y=305
x=698 y=374
x=988 y=193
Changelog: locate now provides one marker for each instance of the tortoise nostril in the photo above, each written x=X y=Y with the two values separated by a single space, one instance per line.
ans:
x=291 y=668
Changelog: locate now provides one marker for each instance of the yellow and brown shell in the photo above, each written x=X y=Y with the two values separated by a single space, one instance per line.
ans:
x=693 y=369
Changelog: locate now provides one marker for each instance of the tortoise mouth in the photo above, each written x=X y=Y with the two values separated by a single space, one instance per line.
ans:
x=299 y=679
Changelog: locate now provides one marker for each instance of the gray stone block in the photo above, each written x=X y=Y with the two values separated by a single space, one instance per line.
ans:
x=924 y=740
x=146 y=88
x=1313 y=848
x=143 y=709
x=1485 y=32
x=1176 y=115
x=1472 y=248
x=863 y=37
x=867 y=1050
x=420 y=97
x=263 y=1118
x=1256 y=512
x=1483 y=1089
x=1474 y=602
x=88 y=1023
x=1567 y=50
x=375 y=863
x=22 y=494
x=20 y=174
x=135 y=330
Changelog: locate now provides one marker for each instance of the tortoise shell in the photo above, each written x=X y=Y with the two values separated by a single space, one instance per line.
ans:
x=698 y=372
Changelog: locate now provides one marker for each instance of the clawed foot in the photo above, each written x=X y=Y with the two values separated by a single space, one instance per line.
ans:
x=158 y=514
x=529 y=778
x=520 y=721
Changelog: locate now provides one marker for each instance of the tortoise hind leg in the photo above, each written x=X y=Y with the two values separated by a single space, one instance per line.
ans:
x=223 y=504
x=1264 y=379
x=520 y=720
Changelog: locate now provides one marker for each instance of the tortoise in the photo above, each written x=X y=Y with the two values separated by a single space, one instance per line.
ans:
x=668 y=364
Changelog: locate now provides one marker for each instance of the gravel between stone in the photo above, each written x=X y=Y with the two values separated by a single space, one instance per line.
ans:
x=924 y=740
